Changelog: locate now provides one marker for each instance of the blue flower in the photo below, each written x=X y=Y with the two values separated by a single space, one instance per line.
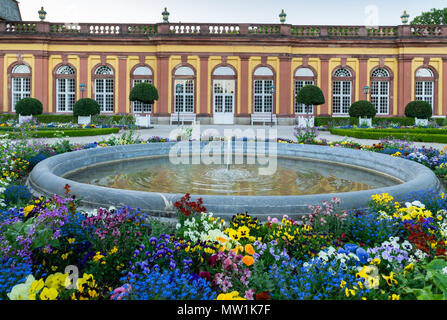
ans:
x=351 y=247
x=362 y=255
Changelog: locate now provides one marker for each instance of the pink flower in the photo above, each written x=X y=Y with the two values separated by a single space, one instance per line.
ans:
x=249 y=295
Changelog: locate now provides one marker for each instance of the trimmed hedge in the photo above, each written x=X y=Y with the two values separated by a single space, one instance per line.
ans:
x=66 y=118
x=375 y=135
x=415 y=130
x=69 y=133
x=402 y=121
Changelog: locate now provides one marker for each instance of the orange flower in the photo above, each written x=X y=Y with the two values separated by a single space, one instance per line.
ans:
x=249 y=249
x=248 y=260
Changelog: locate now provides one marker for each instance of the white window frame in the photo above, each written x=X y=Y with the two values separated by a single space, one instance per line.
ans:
x=425 y=91
x=22 y=92
x=224 y=95
x=185 y=97
x=264 y=96
x=67 y=95
x=380 y=96
x=343 y=98
x=105 y=98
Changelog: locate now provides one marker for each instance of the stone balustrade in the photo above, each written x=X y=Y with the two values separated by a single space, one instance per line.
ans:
x=220 y=30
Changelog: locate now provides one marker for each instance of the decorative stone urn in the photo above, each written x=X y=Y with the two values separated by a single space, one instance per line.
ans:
x=421 y=122
x=24 y=119
x=304 y=122
x=365 y=122
x=84 y=120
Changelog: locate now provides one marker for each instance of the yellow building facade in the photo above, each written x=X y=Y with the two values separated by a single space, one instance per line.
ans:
x=222 y=73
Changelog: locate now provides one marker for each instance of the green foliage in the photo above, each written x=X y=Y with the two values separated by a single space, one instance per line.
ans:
x=428 y=282
x=368 y=134
x=59 y=118
x=310 y=95
x=432 y=17
x=362 y=109
x=86 y=107
x=144 y=92
x=68 y=133
x=29 y=107
x=418 y=109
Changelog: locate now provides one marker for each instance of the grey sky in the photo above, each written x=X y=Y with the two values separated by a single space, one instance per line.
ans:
x=347 y=12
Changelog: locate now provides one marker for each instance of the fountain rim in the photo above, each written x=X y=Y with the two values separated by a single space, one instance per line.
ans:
x=46 y=179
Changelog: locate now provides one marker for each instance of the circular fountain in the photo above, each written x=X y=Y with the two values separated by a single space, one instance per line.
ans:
x=267 y=179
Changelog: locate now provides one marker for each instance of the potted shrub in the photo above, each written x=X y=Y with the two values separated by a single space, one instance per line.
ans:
x=145 y=93
x=84 y=109
x=309 y=95
x=26 y=108
x=364 y=110
x=420 y=110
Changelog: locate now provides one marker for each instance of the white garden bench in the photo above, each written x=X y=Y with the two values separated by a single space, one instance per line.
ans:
x=263 y=117
x=143 y=120
x=183 y=117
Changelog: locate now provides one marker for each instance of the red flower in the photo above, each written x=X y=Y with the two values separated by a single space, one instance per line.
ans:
x=205 y=275
x=212 y=260
x=263 y=296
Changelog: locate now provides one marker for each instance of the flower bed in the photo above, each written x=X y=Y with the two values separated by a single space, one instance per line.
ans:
x=386 y=251
x=52 y=250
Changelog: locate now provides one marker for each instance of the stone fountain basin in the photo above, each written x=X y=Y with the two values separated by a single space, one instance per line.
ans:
x=47 y=178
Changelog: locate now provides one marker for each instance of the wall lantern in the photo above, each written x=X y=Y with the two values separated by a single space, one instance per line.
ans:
x=82 y=86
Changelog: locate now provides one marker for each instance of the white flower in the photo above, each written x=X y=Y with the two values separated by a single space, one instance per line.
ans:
x=407 y=245
x=444 y=270
x=21 y=291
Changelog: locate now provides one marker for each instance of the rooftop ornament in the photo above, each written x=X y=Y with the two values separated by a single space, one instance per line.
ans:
x=405 y=17
x=282 y=16
x=165 y=15
x=42 y=14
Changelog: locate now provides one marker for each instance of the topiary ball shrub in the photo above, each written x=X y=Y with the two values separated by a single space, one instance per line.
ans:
x=29 y=107
x=144 y=92
x=418 y=109
x=14 y=195
x=363 y=109
x=86 y=107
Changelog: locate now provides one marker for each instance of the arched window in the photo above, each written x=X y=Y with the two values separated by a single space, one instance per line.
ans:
x=425 y=85
x=184 y=82
x=380 y=90
x=20 y=84
x=303 y=77
x=224 y=87
x=65 y=88
x=342 y=90
x=104 y=88
x=139 y=75
x=263 y=80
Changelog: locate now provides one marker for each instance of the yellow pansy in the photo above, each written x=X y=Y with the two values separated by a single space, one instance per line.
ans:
x=48 y=294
